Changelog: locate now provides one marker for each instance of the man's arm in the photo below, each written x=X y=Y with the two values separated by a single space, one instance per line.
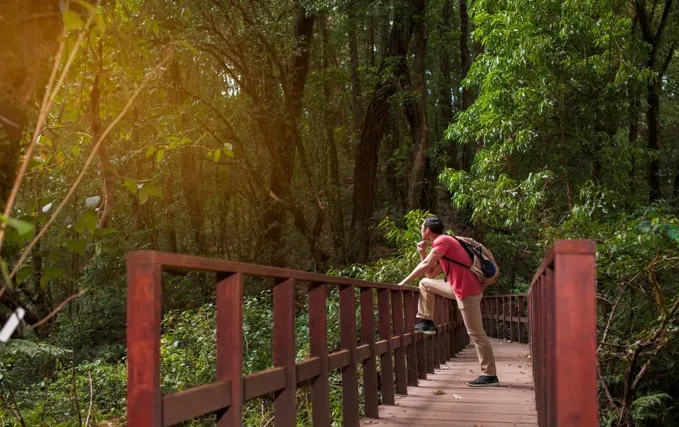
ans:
x=435 y=271
x=427 y=265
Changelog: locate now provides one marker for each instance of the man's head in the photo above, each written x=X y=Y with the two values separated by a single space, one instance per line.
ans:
x=432 y=227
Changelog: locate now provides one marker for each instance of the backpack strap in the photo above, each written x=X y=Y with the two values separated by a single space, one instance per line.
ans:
x=456 y=262
x=466 y=249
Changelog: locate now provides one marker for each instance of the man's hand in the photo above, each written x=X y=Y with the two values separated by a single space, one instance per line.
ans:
x=402 y=283
x=422 y=248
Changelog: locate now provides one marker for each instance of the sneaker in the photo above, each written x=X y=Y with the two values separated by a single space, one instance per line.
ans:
x=426 y=327
x=484 y=381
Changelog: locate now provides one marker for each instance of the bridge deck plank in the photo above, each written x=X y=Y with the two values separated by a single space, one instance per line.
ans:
x=511 y=404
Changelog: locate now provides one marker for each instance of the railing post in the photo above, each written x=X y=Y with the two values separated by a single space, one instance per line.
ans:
x=144 y=397
x=410 y=329
x=496 y=317
x=440 y=335
x=446 y=327
x=451 y=330
x=285 y=413
x=318 y=338
x=369 y=365
x=436 y=339
x=386 y=360
x=399 y=353
x=230 y=345
x=421 y=350
x=348 y=341
x=576 y=334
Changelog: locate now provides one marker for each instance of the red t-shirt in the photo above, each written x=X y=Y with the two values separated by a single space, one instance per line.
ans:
x=464 y=282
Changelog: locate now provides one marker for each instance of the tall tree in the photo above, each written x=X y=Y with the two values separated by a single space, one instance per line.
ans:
x=657 y=63
x=392 y=67
x=421 y=133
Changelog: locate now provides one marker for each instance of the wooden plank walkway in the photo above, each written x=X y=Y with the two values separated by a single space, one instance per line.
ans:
x=444 y=399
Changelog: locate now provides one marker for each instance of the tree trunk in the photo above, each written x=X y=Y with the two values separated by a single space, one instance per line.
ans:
x=365 y=169
x=337 y=211
x=29 y=33
x=356 y=105
x=107 y=173
x=445 y=88
x=421 y=136
x=168 y=201
x=653 y=38
x=653 y=123
x=284 y=141
x=465 y=62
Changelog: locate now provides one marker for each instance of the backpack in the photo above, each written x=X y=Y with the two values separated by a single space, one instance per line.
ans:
x=483 y=264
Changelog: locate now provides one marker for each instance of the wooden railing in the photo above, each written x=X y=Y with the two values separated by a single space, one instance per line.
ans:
x=561 y=318
x=404 y=357
x=506 y=316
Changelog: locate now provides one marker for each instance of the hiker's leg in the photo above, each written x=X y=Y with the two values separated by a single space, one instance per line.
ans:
x=470 y=307
x=429 y=288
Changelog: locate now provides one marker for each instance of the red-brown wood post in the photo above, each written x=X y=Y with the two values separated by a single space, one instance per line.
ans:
x=513 y=323
x=386 y=361
x=348 y=341
x=229 y=326
x=494 y=317
x=519 y=313
x=318 y=337
x=446 y=329
x=549 y=342
x=285 y=405
x=144 y=288
x=453 y=327
x=399 y=353
x=369 y=365
x=410 y=329
x=435 y=339
x=575 y=336
x=441 y=331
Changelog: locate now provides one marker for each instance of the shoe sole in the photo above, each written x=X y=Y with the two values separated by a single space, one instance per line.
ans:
x=484 y=385
x=425 y=332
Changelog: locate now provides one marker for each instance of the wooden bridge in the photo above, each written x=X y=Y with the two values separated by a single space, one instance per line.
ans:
x=545 y=345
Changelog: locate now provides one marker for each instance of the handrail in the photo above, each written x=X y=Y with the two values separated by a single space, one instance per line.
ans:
x=561 y=311
x=404 y=356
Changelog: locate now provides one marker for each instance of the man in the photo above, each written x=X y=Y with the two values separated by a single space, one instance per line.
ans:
x=462 y=283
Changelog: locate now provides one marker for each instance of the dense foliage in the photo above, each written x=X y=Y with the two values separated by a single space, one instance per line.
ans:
x=316 y=135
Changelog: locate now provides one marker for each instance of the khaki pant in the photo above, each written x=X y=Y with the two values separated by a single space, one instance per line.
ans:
x=470 y=307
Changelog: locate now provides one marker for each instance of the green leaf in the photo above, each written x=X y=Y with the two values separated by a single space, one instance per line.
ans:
x=76 y=246
x=105 y=232
x=87 y=222
x=144 y=195
x=131 y=186
x=228 y=152
x=160 y=155
x=21 y=227
x=673 y=233
x=5 y=272
x=72 y=20
x=23 y=273
x=154 y=27
x=75 y=150
x=217 y=155
x=50 y=274
x=154 y=191
x=150 y=151
x=191 y=49
x=90 y=8
x=101 y=24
